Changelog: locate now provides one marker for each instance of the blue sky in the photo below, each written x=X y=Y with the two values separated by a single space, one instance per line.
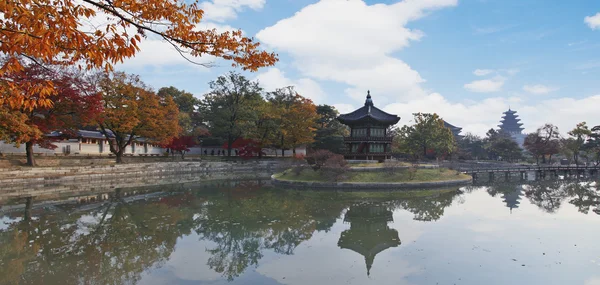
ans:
x=468 y=60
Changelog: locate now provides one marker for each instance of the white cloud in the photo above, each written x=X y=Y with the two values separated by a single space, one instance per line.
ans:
x=274 y=78
x=344 y=108
x=157 y=52
x=539 y=89
x=351 y=42
x=224 y=10
x=482 y=72
x=478 y=117
x=592 y=281
x=593 y=21
x=486 y=85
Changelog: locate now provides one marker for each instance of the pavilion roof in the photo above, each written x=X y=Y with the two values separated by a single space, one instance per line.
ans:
x=368 y=113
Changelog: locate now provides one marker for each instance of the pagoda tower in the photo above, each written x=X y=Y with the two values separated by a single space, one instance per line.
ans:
x=369 y=233
x=369 y=138
x=512 y=198
x=511 y=125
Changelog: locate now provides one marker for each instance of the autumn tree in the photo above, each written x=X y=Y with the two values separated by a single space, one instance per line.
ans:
x=131 y=110
x=180 y=144
x=298 y=116
x=75 y=105
x=98 y=34
x=427 y=134
x=230 y=106
x=189 y=119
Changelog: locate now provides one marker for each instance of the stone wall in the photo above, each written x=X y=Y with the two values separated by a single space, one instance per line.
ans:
x=73 y=180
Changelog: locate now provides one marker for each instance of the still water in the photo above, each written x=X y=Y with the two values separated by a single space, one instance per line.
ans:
x=247 y=232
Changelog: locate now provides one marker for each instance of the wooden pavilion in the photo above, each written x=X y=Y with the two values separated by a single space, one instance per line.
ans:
x=369 y=132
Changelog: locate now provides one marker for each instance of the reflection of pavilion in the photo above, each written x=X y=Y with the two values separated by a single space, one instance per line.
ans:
x=512 y=198
x=369 y=233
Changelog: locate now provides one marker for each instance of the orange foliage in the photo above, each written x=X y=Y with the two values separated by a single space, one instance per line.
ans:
x=132 y=110
x=66 y=32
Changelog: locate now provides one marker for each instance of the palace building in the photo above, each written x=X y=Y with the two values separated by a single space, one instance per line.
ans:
x=369 y=138
x=454 y=129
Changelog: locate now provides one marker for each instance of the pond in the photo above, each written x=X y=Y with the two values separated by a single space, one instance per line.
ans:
x=247 y=232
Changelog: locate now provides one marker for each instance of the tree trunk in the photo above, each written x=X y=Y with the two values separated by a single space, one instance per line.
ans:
x=119 y=156
x=29 y=151
x=294 y=151
x=576 y=158
x=182 y=155
x=229 y=143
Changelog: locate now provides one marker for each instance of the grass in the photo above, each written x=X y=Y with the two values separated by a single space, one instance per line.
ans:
x=378 y=164
x=400 y=175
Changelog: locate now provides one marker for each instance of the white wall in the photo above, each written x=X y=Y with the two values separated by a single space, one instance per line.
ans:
x=94 y=149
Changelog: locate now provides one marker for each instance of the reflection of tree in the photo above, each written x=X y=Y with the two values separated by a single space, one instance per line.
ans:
x=123 y=240
x=242 y=227
x=585 y=195
x=429 y=208
x=547 y=195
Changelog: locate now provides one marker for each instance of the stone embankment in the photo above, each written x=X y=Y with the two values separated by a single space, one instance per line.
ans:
x=27 y=182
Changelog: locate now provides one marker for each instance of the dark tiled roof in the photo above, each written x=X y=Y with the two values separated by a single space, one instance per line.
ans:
x=367 y=113
x=452 y=127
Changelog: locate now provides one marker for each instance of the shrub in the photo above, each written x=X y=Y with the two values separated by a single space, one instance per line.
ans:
x=318 y=158
x=335 y=168
x=297 y=169
x=412 y=170
x=392 y=166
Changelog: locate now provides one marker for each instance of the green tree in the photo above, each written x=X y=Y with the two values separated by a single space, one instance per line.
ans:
x=499 y=145
x=230 y=107
x=578 y=137
x=184 y=100
x=471 y=146
x=263 y=130
x=427 y=134
x=592 y=145
x=545 y=141
x=330 y=132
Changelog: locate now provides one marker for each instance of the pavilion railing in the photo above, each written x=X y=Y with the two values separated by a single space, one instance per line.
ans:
x=368 y=139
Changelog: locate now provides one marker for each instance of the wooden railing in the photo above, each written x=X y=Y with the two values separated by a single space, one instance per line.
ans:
x=368 y=139
x=526 y=168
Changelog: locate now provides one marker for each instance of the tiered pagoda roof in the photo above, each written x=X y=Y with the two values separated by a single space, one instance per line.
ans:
x=512 y=198
x=368 y=113
x=510 y=122
x=369 y=233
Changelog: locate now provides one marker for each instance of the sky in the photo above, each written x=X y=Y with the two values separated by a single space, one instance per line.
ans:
x=466 y=60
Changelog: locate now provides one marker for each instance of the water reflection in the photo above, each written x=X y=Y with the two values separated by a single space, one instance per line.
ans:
x=369 y=233
x=114 y=238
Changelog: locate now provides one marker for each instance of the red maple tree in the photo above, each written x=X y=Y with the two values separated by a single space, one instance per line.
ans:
x=75 y=103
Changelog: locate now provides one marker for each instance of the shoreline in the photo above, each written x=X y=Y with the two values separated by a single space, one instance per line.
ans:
x=357 y=186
